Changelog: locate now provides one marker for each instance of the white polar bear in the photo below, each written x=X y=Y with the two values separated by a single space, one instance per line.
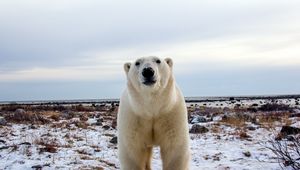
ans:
x=152 y=112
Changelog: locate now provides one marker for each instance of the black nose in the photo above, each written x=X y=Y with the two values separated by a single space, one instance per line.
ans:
x=148 y=72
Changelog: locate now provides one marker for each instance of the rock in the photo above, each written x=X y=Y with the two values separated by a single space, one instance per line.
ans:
x=99 y=123
x=37 y=167
x=97 y=115
x=289 y=130
x=106 y=127
x=252 y=128
x=20 y=114
x=114 y=140
x=198 y=119
x=3 y=122
x=100 y=120
x=247 y=154
x=40 y=167
x=32 y=127
x=290 y=138
x=20 y=111
x=198 y=129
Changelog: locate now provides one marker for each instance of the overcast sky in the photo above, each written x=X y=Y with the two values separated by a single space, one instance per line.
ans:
x=71 y=49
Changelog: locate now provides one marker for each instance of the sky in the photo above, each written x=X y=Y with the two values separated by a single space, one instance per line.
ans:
x=75 y=49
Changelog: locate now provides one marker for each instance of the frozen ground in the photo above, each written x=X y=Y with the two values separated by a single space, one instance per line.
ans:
x=82 y=143
x=91 y=148
x=246 y=103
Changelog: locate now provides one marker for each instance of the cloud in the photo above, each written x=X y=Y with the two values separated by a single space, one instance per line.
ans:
x=41 y=33
x=224 y=53
x=262 y=51
x=88 y=41
x=63 y=74
x=234 y=52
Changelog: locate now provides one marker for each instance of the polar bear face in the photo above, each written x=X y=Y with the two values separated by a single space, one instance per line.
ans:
x=149 y=73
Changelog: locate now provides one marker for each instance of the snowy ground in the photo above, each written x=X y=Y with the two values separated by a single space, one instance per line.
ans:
x=83 y=144
x=246 y=103
x=91 y=148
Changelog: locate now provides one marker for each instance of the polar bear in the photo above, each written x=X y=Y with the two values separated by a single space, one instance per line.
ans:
x=152 y=112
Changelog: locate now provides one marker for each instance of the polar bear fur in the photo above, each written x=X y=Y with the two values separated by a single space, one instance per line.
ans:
x=152 y=115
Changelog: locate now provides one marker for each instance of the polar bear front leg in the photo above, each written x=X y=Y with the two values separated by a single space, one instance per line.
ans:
x=173 y=139
x=175 y=157
x=148 y=158
x=136 y=158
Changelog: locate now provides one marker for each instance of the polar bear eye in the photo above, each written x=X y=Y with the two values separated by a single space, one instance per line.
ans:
x=137 y=63
x=158 y=61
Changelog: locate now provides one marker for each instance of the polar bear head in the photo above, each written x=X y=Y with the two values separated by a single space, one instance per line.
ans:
x=149 y=73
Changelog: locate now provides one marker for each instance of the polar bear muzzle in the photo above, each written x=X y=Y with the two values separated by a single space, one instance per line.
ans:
x=148 y=75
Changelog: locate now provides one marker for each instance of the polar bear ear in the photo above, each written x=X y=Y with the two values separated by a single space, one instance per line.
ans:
x=127 y=67
x=169 y=61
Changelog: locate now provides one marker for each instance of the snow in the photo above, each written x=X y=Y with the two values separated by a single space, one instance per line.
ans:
x=209 y=151
x=87 y=147
x=244 y=103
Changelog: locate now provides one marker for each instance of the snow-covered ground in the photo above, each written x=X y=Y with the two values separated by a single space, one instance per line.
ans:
x=67 y=144
x=76 y=148
x=247 y=103
x=91 y=148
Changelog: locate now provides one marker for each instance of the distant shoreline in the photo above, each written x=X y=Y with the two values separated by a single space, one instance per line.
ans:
x=187 y=99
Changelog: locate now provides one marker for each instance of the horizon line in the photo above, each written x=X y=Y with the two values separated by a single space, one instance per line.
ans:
x=187 y=98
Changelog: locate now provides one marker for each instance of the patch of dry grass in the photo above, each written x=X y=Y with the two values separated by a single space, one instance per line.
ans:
x=21 y=116
x=47 y=145
x=268 y=120
x=233 y=121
